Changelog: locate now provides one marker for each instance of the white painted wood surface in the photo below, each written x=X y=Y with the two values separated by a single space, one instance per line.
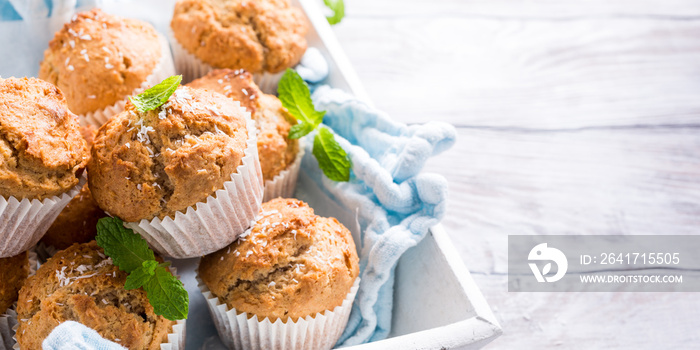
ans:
x=574 y=117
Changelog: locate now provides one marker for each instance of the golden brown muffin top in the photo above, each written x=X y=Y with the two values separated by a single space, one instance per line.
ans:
x=43 y=154
x=81 y=284
x=262 y=35
x=276 y=150
x=98 y=59
x=13 y=272
x=154 y=164
x=292 y=264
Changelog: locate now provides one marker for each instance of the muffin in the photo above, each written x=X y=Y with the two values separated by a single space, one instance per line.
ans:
x=153 y=169
x=43 y=158
x=98 y=60
x=293 y=275
x=77 y=222
x=280 y=158
x=81 y=284
x=263 y=37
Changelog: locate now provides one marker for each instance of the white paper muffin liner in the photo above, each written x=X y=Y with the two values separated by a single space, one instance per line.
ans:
x=8 y=325
x=284 y=183
x=216 y=221
x=23 y=223
x=238 y=331
x=175 y=339
x=33 y=262
x=8 y=318
x=192 y=68
x=44 y=252
x=164 y=69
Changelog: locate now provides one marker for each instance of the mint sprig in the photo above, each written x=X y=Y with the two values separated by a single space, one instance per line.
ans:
x=156 y=95
x=338 y=8
x=131 y=254
x=296 y=98
x=332 y=158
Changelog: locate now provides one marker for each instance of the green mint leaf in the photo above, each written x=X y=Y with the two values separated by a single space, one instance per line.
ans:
x=338 y=8
x=131 y=254
x=142 y=275
x=331 y=158
x=296 y=98
x=126 y=248
x=156 y=95
x=167 y=295
x=300 y=130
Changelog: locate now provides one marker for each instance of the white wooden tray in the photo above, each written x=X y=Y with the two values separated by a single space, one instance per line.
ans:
x=437 y=305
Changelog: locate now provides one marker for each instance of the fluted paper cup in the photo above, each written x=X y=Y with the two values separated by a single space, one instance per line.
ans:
x=164 y=69
x=8 y=318
x=44 y=252
x=284 y=183
x=176 y=337
x=192 y=68
x=24 y=222
x=215 y=222
x=8 y=325
x=244 y=331
x=33 y=262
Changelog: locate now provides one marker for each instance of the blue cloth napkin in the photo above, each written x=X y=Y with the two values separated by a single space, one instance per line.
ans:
x=71 y=335
x=397 y=203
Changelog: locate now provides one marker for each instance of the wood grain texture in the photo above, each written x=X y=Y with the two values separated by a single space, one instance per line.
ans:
x=592 y=182
x=519 y=9
x=530 y=74
x=575 y=117
x=592 y=320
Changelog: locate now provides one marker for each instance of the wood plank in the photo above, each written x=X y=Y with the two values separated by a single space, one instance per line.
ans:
x=626 y=181
x=532 y=9
x=529 y=74
x=591 y=320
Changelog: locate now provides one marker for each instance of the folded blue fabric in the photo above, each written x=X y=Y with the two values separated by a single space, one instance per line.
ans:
x=397 y=204
x=71 y=335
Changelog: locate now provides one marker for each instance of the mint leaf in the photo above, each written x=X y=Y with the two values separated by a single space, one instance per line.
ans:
x=141 y=276
x=127 y=249
x=167 y=295
x=332 y=158
x=131 y=254
x=338 y=8
x=300 y=130
x=156 y=95
x=296 y=98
